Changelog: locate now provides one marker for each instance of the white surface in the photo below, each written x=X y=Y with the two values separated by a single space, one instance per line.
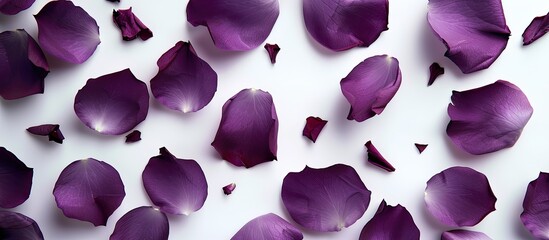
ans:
x=304 y=81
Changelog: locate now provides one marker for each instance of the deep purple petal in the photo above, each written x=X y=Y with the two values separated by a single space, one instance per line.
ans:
x=51 y=130
x=130 y=25
x=16 y=226
x=464 y=235
x=236 y=25
x=112 y=104
x=375 y=158
x=268 y=227
x=435 y=70
x=67 y=31
x=176 y=186
x=537 y=28
x=341 y=25
x=15 y=180
x=89 y=190
x=489 y=118
x=12 y=7
x=325 y=199
x=459 y=196
x=535 y=214
x=247 y=134
x=273 y=50
x=113 y=0
x=474 y=32
x=313 y=127
x=390 y=223
x=229 y=188
x=421 y=147
x=370 y=86
x=142 y=223
x=134 y=136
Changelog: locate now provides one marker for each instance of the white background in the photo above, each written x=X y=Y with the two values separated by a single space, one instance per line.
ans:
x=303 y=82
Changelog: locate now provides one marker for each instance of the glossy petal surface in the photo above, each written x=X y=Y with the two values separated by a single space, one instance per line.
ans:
x=130 y=26
x=142 y=223
x=375 y=158
x=15 y=180
x=537 y=28
x=313 y=127
x=51 y=130
x=268 y=227
x=535 y=214
x=464 y=235
x=390 y=223
x=16 y=226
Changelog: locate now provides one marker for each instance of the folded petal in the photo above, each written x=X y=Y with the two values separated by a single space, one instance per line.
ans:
x=537 y=28
x=375 y=158
x=464 y=235
x=390 y=223
x=313 y=127
x=51 y=130
x=134 y=136
x=273 y=50
x=535 y=214
x=229 y=188
x=421 y=147
x=12 y=7
x=130 y=25
x=142 y=223
x=268 y=227
x=16 y=226
x=435 y=71
x=15 y=180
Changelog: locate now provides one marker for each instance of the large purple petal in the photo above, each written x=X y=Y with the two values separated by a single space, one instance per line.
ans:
x=89 y=190
x=537 y=28
x=459 y=196
x=51 y=130
x=236 y=25
x=67 y=31
x=130 y=25
x=248 y=131
x=142 y=223
x=489 y=118
x=15 y=180
x=375 y=158
x=390 y=223
x=474 y=32
x=184 y=81
x=16 y=226
x=313 y=127
x=370 y=86
x=464 y=235
x=535 y=214
x=326 y=199
x=112 y=104
x=176 y=186
x=12 y=7
x=268 y=227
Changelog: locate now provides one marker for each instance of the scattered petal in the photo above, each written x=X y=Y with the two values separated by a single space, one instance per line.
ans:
x=268 y=227
x=537 y=28
x=12 y=7
x=229 y=189
x=313 y=127
x=142 y=223
x=273 y=50
x=390 y=223
x=464 y=235
x=16 y=226
x=130 y=25
x=51 y=130
x=375 y=158
x=113 y=0
x=15 y=180
x=535 y=214
x=435 y=71
x=134 y=136
x=421 y=147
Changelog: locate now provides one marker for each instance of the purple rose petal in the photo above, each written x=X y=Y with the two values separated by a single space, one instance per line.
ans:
x=326 y=199
x=12 y=7
x=134 y=136
x=537 y=28
x=15 y=180
x=390 y=223
x=474 y=32
x=435 y=70
x=247 y=134
x=489 y=118
x=184 y=81
x=313 y=127
x=67 y=32
x=268 y=227
x=16 y=226
x=51 y=130
x=459 y=196
x=535 y=214
x=370 y=86
x=229 y=188
x=89 y=190
x=130 y=26
x=112 y=104
x=176 y=186
x=421 y=147
x=464 y=235
x=113 y=0
x=375 y=158
x=142 y=223
x=273 y=50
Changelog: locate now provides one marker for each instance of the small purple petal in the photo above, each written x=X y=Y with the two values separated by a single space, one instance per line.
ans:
x=112 y=104
x=268 y=227
x=229 y=189
x=273 y=50
x=313 y=127
x=370 y=86
x=326 y=199
x=176 y=186
x=12 y=7
x=113 y=0
x=421 y=147
x=184 y=81
x=89 y=190
x=51 y=130
x=390 y=223
x=435 y=70
x=375 y=158
x=535 y=214
x=130 y=25
x=134 y=136
x=459 y=196
x=16 y=226
x=142 y=223
x=489 y=118
x=67 y=31
x=247 y=134
x=464 y=235
x=15 y=180
x=537 y=28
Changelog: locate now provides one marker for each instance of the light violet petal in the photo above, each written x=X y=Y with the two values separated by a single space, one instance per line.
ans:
x=537 y=28
x=435 y=70
x=268 y=227
x=15 y=180
x=134 y=136
x=16 y=226
x=51 y=130
x=130 y=26
x=273 y=50
x=142 y=223
x=313 y=127
x=464 y=235
x=390 y=223
x=421 y=147
x=12 y=7
x=375 y=158
x=535 y=214
x=229 y=188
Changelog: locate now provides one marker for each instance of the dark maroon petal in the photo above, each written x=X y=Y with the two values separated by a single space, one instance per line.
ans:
x=12 y=7
x=313 y=127
x=113 y=0
x=273 y=50
x=464 y=235
x=435 y=71
x=268 y=227
x=325 y=199
x=16 y=226
x=67 y=31
x=15 y=180
x=130 y=25
x=341 y=25
x=375 y=158
x=176 y=186
x=236 y=25
x=112 y=104
x=247 y=134
x=51 y=130
x=535 y=214
x=489 y=118
x=370 y=86
x=390 y=223
x=184 y=81
x=421 y=147
x=537 y=28
x=229 y=188
x=89 y=190
x=134 y=136
x=142 y=223
x=459 y=196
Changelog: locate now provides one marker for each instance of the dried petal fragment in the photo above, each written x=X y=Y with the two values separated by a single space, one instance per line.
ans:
x=142 y=223
x=535 y=214
x=421 y=147
x=16 y=226
x=229 y=188
x=390 y=223
x=464 y=235
x=134 y=136
x=435 y=71
x=537 y=28
x=12 y=7
x=130 y=25
x=15 y=180
x=375 y=158
x=273 y=50
x=268 y=227
x=313 y=127
x=51 y=130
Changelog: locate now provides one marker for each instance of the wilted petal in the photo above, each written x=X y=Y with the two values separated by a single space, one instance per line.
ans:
x=142 y=223
x=273 y=50
x=134 y=136
x=535 y=214
x=268 y=227
x=51 y=130
x=421 y=147
x=313 y=127
x=464 y=235
x=537 y=28
x=16 y=226
x=375 y=158
x=229 y=188
x=12 y=7
x=130 y=25
x=390 y=223
x=15 y=180
x=435 y=70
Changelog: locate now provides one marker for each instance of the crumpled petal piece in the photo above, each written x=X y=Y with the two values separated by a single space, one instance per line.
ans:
x=273 y=50
x=248 y=131
x=112 y=104
x=12 y=7
x=268 y=227
x=134 y=136
x=325 y=199
x=236 y=25
x=23 y=67
x=370 y=86
x=15 y=180
x=142 y=223
x=460 y=234
x=489 y=118
x=537 y=28
x=421 y=147
x=229 y=188
x=459 y=196
x=435 y=70
x=67 y=31
x=375 y=158
x=16 y=226
x=51 y=130
x=535 y=214
x=390 y=223
x=474 y=32
x=313 y=127
x=176 y=186
x=130 y=25
x=184 y=81
x=89 y=190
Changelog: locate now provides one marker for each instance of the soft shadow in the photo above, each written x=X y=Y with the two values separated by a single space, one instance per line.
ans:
x=431 y=221
x=161 y=109
x=66 y=223
x=18 y=104
x=58 y=65
x=82 y=130
x=343 y=125
x=201 y=39
x=319 y=47
x=177 y=219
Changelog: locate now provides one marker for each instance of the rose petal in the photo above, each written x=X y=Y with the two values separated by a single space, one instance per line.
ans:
x=459 y=196
x=313 y=127
x=535 y=215
x=15 y=180
x=16 y=226
x=537 y=28
x=464 y=235
x=370 y=86
x=130 y=25
x=390 y=223
x=273 y=50
x=142 y=223
x=489 y=118
x=184 y=81
x=51 y=130
x=474 y=32
x=375 y=158
x=435 y=71
x=421 y=147
x=113 y=0
x=67 y=31
x=247 y=134
x=176 y=186
x=229 y=188
x=112 y=104
x=236 y=25
x=134 y=136
x=12 y=7
x=268 y=227
x=326 y=199
x=89 y=190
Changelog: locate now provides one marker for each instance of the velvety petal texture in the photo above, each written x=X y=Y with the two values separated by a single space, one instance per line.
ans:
x=15 y=180
x=51 y=130
x=421 y=147
x=474 y=32
x=134 y=136
x=229 y=188
x=236 y=25
x=435 y=70
x=464 y=235
x=390 y=223
x=142 y=223
x=112 y=104
x=313 y=127
x=89 y=190
x=268 y=227
x=535 y=214
x=272 y=50
x=459 y=196
x=489 y=118
x=247 y=134
x=16 y=226
x=12 y=7
x=370 y=86
x=375 y=158
x=325 y=199
x=130 y=26
x=537 y=28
